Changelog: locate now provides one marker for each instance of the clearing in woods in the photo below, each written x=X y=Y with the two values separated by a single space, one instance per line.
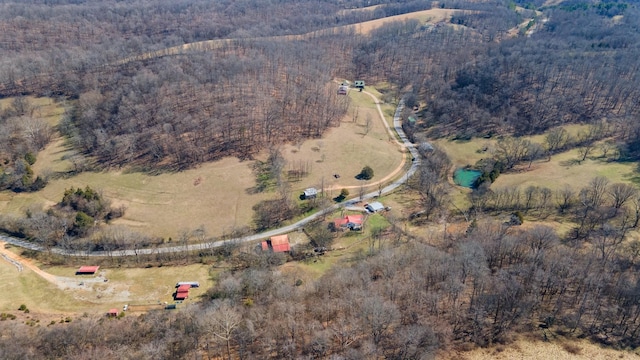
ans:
x=59 y=290
x=216 y=195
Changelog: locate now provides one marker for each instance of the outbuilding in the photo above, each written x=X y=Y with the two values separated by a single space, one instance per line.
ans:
x=310 y=193
x=181 y=295
x=279 y=243
x=87 y=270
x=183 y=288
x=374 y=207
x=193 y=284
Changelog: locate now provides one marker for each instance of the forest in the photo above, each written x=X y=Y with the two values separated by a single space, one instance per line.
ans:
x=409 y=296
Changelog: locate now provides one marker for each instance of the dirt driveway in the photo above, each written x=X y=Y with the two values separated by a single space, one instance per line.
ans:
x=89 y=287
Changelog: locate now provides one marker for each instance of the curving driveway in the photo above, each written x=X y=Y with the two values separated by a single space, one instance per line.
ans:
x=404 y=143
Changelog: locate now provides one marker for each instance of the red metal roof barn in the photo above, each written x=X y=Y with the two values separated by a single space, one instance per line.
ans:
x=85 y=270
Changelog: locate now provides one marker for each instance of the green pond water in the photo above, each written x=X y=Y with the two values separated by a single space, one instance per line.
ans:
x=466 y=177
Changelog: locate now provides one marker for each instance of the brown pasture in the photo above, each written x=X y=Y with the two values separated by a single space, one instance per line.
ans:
x=217 y=195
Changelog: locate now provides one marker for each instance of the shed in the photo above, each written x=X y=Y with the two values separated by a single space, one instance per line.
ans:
x=87 y=270
x=310 y=193
x=279 y=243
x=112 y=312
x=193 y=284
x=374 y=207
x=183 y=288
x=359 y=84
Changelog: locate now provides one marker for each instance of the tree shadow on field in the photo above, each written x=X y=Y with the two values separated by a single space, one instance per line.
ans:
x=570 y=162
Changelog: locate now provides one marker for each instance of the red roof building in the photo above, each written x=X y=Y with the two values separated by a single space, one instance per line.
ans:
x=181 y=295
x=87 y=270
x=112 y=312
x=279 y=243
x=353 y=222
x=183 y=288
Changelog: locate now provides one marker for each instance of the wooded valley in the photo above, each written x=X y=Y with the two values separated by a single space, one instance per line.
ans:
x=480 y=74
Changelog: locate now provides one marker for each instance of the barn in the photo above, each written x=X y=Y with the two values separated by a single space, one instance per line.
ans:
x=181 y=295
x=87 y=270
x=183 y=288
x=279 y=243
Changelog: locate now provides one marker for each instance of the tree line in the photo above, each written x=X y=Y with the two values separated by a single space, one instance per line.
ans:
x=409 y=299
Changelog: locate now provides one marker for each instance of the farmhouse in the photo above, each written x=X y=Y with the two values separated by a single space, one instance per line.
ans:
x=87 y=270
x=342 y=90
x=310 y=193
x=374 y=207
x=359 y=84
x=279 y=243
x=351 y=222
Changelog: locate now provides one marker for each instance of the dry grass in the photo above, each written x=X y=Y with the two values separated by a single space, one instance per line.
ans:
x=538 y=350
x=424 y=16
x=431 y=16
x=125 y=286
x=26 y=287
x=563 y=169
x=216 y=194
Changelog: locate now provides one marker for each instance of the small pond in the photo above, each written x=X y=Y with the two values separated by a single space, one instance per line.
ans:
x=466 y=177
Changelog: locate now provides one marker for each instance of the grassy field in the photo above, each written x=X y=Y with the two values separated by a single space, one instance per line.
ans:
x=558 y=349
x=26 y=287
x=563 y=169
x=69 y=293
x=215 y=195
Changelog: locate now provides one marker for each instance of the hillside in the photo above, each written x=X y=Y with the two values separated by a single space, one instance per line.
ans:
x=191 y=110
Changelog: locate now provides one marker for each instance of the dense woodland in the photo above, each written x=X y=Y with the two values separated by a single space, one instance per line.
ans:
x=408 y=296
x=413 y=297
